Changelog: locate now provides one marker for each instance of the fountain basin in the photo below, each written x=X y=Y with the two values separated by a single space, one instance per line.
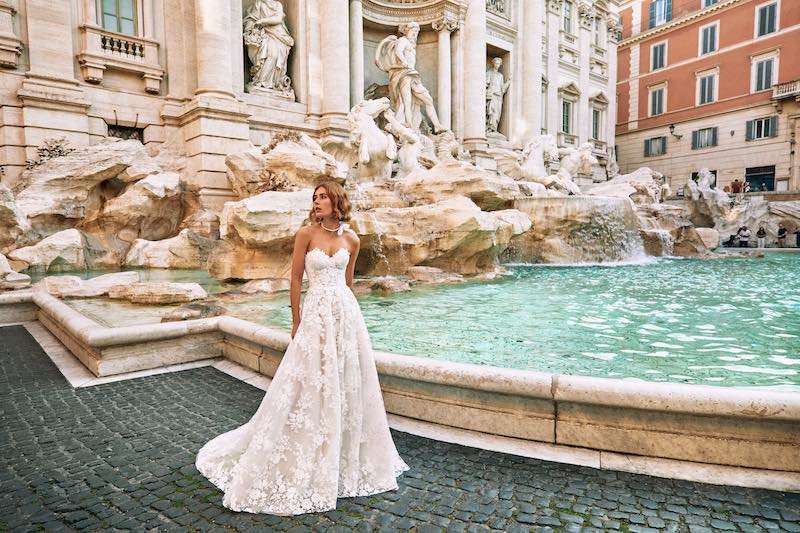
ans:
x=757 y=430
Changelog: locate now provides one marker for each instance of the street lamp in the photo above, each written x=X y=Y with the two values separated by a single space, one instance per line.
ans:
x=672 y=132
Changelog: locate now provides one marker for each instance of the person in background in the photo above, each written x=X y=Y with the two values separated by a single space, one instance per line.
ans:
x=736 y=186
x=746 y=186
x=797 y=237
x=744 y=237
x=726 y=189
x=763 y=187
x=762 y=236
x=782 y=236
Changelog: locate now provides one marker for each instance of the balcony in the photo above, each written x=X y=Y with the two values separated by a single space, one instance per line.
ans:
x=599 y=147
x=102 y=49
x=786 y=90
x=565 y=139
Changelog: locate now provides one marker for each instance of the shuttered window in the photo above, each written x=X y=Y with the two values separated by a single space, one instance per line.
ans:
x=659 y=56
x=764 y=73
x=706 y=89
x=761 y=128
x=655 y=146
x=656 y=101
x=708 y=39
x=767 y=19
x=704 y=138
x=660 y=12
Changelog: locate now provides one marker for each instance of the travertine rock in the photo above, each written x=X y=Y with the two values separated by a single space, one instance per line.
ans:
x=266 y=286
x=453 y=234
x=640 y=186
x=57 y=194
x=75 y=287
x=158 y=293
x=488 y=190
x=709 y=236
x=193 y=311
x=288 y=163
x=382 y=285
x=185 y=250
x=60 y=252
x=574 y=229
x=14 y=226
x=425 y=274
x=9 y=279
x=258 y=235
x=149 y=209
x=666 y=231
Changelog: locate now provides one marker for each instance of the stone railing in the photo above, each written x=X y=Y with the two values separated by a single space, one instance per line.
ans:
x=597 y=51
x=713 y=434
x=567 y=139
x=787 y=89
x=102 y=49
x=599 y=146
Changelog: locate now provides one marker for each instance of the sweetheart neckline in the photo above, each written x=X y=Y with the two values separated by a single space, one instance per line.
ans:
x=326 y=255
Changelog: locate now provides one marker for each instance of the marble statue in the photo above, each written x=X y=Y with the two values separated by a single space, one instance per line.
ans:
x=397 y=56
x=496 y=87
x=531 y=164
x=612 y=168
x=268 y=44
x=375 y=149
x=410 y=145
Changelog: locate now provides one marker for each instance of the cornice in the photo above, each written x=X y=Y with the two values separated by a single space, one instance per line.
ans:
x=423 y=12
x=691 y=17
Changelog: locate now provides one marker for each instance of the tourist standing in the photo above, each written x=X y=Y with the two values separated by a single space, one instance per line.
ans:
x=744 y=237
x=782 y=236
x=736 y=186
x=762 y=236
x=797 y=237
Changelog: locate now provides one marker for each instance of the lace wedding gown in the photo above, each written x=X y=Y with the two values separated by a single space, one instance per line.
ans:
x=321 y=430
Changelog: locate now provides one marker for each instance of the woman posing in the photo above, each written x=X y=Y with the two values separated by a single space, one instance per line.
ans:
x=321 y=431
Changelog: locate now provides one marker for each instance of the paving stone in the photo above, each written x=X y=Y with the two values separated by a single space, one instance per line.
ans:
x=121 y=456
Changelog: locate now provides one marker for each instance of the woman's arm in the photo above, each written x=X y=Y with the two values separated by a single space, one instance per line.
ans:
x=301 y=241
x=355 y=246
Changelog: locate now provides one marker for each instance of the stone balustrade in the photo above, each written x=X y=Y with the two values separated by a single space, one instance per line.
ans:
x=103 y=49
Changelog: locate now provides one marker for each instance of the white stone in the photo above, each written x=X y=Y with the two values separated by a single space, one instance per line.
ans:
x=709 y=236
x=64 y=250
x=9 y=279
x=185 y=250
x=425 y=274
x=73 y=286
x=158 y=293
x=14 y=226
x=267 y=286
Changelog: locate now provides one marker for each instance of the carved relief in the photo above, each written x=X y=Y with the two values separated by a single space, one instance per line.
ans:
x=498 y=7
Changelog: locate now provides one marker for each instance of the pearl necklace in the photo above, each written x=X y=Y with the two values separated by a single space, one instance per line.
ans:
x=331 y=230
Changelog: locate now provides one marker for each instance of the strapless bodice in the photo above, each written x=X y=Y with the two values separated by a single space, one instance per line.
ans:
x=326 y=271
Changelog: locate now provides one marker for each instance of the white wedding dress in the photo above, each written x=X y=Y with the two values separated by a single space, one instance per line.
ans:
x=321 y=431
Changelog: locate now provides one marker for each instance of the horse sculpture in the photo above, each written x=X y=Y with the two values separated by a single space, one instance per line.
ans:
x=375 y=149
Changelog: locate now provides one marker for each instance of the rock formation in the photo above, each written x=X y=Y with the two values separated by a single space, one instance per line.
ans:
x=62 y=251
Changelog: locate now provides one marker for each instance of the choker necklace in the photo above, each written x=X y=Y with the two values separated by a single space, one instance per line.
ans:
x=326 y=229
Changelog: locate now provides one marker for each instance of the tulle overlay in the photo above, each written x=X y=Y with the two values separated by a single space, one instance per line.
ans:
x=321 y=430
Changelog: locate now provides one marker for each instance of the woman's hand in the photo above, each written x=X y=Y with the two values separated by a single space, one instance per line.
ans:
x=294 y=329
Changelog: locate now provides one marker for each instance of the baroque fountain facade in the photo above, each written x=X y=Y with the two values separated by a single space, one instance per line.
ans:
x=469 y=133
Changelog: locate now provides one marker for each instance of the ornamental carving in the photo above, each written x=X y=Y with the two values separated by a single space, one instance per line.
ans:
x=498 y=7
x=585 y=15
x=423 y=12
x=448 y=24
x=554 y=6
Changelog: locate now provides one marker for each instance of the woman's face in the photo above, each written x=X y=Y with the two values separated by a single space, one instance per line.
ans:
x=322 y=203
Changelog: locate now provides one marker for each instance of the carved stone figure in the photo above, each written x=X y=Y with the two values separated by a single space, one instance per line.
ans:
x=496 y=87
x=268 y=44
x=612 y=168
x=397 y=56
x=375 y=149
x=410 y=145
x=531 y=164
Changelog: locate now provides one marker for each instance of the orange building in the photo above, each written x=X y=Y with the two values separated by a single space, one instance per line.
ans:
x=710 y=83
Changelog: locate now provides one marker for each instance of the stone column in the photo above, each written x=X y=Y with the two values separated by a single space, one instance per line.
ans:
x=356 y=52
x=553 y=40
x=531 y=83
x=335 y=57
x=212 y=30
x=475 y=78
x=445 y=27
x=583 y=115
x=611 y=47
x=90 y=12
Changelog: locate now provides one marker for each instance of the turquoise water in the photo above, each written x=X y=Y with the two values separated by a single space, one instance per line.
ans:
x=730 y=322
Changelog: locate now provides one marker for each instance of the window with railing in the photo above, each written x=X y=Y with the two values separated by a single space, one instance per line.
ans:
x=119 y=16
x=566 y=116
x=567 y=16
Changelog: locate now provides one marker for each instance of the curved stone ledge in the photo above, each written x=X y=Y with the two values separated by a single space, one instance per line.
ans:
x=730 y=427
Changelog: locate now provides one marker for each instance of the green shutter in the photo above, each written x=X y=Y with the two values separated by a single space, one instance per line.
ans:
x=663 y=145
x=695 y=139
x=652 y=13
x=714 y=136
x=669 y=10
x=647 y=147
x=748 y=136
x=773 y=126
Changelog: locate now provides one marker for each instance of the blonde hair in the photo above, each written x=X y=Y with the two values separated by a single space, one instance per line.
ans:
x=339 y=201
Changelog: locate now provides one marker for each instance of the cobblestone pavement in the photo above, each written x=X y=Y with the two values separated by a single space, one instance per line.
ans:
x=121 y=456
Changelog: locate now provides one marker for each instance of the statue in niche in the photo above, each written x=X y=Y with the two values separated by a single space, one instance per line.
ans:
x=397 y=56
x=268 y=44
x=496 y=87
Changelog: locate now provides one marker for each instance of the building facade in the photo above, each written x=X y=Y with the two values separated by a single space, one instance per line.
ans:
x=200 y=75
x=714 y=84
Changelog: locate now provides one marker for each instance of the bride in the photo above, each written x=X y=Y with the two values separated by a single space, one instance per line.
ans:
x=321 y=430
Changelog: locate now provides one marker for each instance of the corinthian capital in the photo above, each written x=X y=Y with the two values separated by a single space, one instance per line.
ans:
x=446 y=23
x=554 y=6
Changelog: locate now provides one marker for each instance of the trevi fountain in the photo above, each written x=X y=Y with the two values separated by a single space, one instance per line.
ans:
x=503 y=271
